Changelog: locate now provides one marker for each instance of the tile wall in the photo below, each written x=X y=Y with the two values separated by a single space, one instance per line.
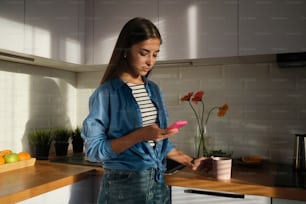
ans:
x=33 y=97
x=266 y=104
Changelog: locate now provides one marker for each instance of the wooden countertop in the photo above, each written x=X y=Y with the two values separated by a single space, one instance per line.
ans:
x=245 y=180
x=45 y=176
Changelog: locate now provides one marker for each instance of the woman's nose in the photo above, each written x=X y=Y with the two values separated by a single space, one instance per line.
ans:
x=150 y=60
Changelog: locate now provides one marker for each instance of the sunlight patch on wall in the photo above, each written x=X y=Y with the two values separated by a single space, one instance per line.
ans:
x=162 y=27
x=192 y=16
x=14 y=89
x=72 y=51
x=11 y=35
x=38 y=41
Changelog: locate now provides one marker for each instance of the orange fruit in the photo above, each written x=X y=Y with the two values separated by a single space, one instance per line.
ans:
x=24 y=156
x=2 y=161
x=4 y=152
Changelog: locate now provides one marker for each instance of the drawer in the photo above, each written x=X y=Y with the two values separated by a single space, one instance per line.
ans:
x=182 y=195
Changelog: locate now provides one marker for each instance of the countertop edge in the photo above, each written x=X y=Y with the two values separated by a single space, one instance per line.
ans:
x=50 y=186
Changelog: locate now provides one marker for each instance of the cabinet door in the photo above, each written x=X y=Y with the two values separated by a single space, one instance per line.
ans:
x=181 y=195
x=198 y=29
x=12 y=25
x=54 y=29
x=285 y=201
x=271 y=26
x=109 y=18
x=82 y=192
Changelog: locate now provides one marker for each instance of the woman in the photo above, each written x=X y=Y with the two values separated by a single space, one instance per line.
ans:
x=126 y=127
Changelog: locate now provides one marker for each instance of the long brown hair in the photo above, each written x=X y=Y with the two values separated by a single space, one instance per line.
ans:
x=134 y=31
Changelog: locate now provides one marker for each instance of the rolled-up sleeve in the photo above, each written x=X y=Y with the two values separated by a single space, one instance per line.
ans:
x=97 y=145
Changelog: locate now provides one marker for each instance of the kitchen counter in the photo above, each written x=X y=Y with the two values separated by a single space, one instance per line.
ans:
x=271 y=180
x=46 y=176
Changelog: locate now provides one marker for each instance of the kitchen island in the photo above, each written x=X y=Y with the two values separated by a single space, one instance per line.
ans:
x=45 y=176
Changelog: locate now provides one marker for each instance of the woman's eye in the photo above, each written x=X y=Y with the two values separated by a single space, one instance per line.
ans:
x=143 y=53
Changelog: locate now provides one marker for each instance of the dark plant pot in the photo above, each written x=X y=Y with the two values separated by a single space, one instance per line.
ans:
x=61 y=148
x=77 y=147
x=218 y=153
x=42 y=152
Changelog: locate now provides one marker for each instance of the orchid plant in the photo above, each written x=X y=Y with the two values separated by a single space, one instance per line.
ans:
x=195 y=99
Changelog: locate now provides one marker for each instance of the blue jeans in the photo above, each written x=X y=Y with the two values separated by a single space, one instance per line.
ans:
x=129 y=187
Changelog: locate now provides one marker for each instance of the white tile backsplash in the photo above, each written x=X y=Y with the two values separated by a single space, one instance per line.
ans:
x=266 y=104
x=33 y=97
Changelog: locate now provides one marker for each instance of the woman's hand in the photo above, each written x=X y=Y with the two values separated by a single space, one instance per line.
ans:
x=153 y=132
x=202 y=164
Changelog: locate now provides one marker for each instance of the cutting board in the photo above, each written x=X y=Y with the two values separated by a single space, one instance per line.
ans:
x=17 y=165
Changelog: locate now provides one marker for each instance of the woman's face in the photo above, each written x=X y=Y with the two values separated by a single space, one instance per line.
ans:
x=142 y=56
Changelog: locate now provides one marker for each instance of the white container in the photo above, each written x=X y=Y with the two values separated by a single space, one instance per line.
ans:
x=222 y=168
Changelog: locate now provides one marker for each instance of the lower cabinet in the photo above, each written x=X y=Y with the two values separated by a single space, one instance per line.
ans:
x=182 y=195
x=82 y=192
x=285 y=201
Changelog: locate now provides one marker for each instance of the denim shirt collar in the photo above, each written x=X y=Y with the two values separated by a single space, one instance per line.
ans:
x=118 y=83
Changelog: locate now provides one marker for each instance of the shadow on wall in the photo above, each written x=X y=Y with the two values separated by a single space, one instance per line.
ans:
x=47 y=107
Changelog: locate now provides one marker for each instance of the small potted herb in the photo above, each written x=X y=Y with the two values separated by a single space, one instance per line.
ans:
x=61 y=141
x=77 y=141
x=41 y=140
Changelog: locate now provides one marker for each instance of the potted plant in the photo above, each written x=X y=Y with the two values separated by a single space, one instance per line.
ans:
x=41 y=140
x=61 y=141
x=77 y=141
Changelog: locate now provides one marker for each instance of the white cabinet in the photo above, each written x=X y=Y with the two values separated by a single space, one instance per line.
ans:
x=109 y=18
x=198 y=29
x=271 y=26
x=12 y=25
x=181 y=195
x=285 y=201
x=85 y=191
x=55 y=29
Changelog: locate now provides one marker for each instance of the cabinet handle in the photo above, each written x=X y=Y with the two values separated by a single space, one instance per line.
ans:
x=228 y=195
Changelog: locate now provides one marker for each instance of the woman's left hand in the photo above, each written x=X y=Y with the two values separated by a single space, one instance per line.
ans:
x=202 y=164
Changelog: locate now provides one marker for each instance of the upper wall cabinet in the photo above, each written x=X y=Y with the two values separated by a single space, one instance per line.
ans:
x=272 y=26
x=55 y=29
x=12 y=25
x=109 y=18
x=198 y=29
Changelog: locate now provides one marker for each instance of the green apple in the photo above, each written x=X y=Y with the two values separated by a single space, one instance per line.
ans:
x=11 y=158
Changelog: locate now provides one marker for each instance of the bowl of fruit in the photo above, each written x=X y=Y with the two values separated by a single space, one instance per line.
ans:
x=10 y=160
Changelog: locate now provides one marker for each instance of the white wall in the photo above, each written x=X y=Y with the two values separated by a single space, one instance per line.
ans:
x=266 y=105
x=33 y=97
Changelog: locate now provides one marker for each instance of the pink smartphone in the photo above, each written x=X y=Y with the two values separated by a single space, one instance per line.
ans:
x=178 y=124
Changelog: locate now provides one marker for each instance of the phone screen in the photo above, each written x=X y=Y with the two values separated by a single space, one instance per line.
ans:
x=178 y=124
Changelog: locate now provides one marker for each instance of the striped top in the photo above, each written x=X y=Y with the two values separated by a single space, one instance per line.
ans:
x=147 y=108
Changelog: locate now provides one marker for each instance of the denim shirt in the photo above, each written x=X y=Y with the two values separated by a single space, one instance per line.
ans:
x=113 y=112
